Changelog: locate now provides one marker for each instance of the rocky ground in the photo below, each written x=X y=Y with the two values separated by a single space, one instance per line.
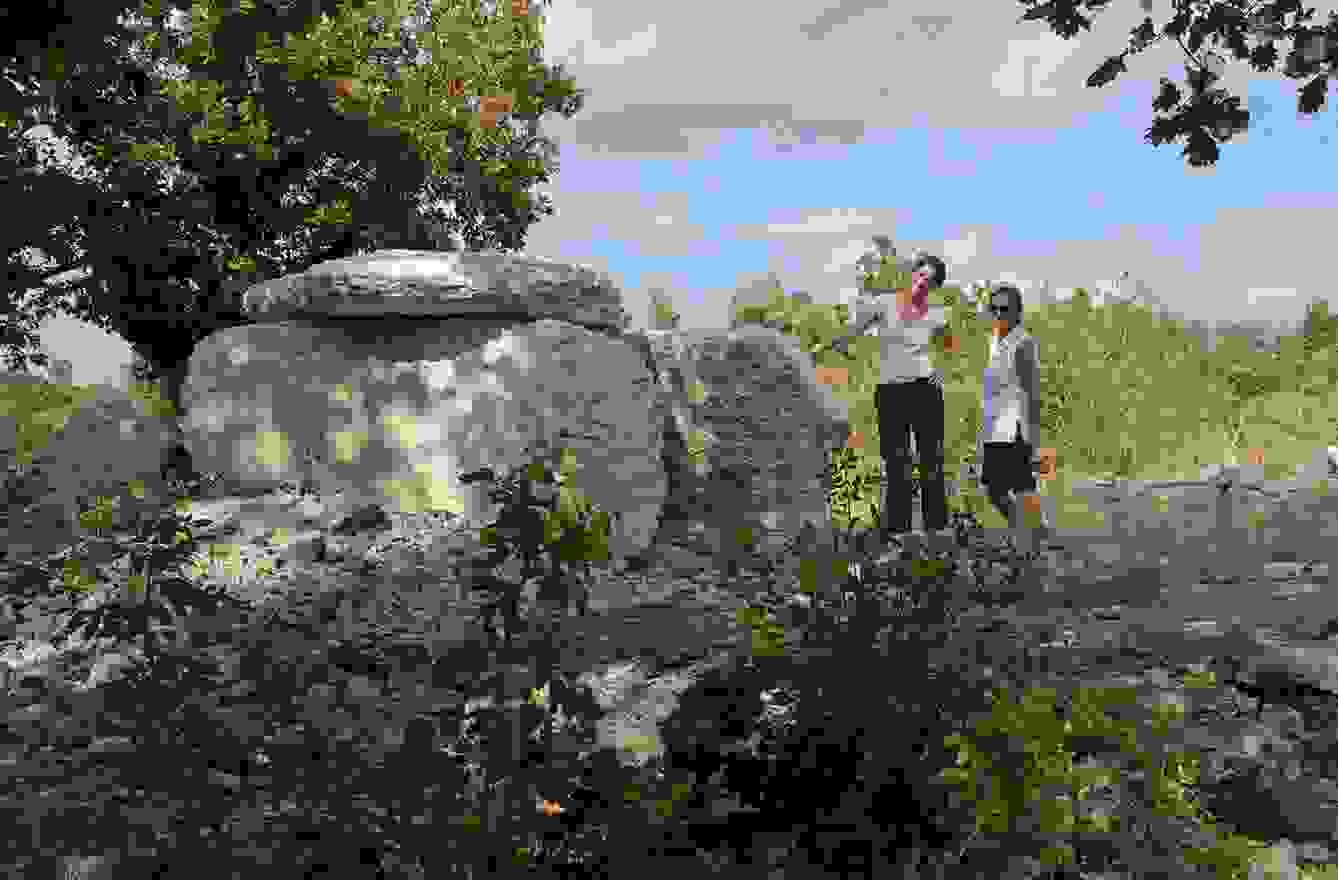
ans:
x=651 y=634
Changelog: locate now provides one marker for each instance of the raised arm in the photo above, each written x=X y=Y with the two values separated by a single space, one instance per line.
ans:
x=865 y=311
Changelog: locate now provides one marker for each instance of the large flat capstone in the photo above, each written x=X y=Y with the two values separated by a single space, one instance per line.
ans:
x=441 y=284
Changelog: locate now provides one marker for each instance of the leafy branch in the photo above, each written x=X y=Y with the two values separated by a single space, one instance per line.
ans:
x=545 y=524
x=1210 y=116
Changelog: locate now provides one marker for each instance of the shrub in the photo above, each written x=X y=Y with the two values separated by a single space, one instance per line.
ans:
x=838 y=762
x=551 y=527
x=85 y=443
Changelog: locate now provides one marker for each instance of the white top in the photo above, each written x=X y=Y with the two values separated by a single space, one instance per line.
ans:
x=904 y=353
x=1003 y=397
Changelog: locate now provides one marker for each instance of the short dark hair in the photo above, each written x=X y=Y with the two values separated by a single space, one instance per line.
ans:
x=1014 y=296
x=940 y=270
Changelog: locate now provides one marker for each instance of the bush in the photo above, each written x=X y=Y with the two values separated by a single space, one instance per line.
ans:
x=551 y=529
x=85 y=443
x=805 y=736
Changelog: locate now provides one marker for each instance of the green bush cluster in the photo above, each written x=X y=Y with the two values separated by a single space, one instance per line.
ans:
x=1020 y=767
x=549 y=525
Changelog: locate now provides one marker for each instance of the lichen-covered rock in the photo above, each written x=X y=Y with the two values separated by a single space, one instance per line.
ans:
x=764 y=426
x=113 y=439
x=392 y=411
x=111 y=447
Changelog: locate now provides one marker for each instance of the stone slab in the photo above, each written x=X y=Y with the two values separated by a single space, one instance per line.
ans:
x=394 y=413
x=1210 y=529
x=441 y=284
x=767 y=426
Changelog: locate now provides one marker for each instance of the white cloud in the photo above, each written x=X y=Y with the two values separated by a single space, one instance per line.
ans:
x=569 y=35
x=836 y=221
x=638 y=45
x=843 y=258
x=1031 y=64
x=960 y=251
x=1271 y=295
x=96 y=356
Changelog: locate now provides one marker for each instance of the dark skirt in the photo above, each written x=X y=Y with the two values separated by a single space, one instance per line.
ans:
x=1008 y=467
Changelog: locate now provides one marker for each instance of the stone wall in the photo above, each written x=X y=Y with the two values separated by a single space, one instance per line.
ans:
x=1231 y=523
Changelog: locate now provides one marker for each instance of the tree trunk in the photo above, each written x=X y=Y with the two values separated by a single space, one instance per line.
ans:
x=170 y=379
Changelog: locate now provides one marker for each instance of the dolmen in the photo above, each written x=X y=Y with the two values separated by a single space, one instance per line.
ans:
x=385 y=377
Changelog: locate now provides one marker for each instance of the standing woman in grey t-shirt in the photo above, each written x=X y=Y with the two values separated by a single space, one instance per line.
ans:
x=909 y=398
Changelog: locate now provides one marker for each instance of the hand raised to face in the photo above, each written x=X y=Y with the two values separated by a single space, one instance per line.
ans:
x=1003 y=309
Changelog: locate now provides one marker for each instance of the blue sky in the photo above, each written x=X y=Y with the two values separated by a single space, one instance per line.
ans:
x=720 y=145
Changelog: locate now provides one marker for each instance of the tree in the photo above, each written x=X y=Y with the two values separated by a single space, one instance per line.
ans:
x=662 y=314
x=1210 y=116
x=40 y=250
x=281 y=138
x=1320 y=330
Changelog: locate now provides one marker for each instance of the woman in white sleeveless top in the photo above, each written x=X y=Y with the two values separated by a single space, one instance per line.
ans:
x=909 y=398
x=1011 y=407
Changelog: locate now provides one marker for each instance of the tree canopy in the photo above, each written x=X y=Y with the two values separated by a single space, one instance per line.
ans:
x=228 y=142
x=1206 y=30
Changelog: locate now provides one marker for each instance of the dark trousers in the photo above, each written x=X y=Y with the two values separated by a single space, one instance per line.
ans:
x=904 y=407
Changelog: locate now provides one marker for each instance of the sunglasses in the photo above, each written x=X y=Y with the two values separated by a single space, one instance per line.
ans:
x=999 y=310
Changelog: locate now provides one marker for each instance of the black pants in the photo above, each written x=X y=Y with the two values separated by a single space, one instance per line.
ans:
x=1007 y=468
x=904 y=407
